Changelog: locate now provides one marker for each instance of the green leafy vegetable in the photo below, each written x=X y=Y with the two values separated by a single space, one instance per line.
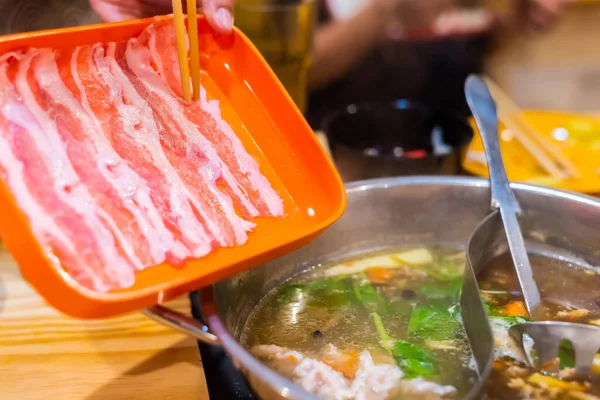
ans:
x=290 y=293
x=433 y=322
x=566 y=354
x=387 y=342
x=493 y=310
x=415 y=360
x=368 y=296
x=336 y=292
x=328 y=284
x=410 y=351
x=331 y=292
x=486 y=306
x=414 y=368
x=442 y=289
x=510 y=321
x=400 y=307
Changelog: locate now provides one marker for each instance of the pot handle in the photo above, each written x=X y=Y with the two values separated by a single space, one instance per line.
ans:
x=182 y=323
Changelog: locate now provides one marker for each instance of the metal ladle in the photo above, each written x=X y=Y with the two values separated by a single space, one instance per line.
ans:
x=546 y=335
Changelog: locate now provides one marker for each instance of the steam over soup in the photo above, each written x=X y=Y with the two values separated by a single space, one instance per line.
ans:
x=380 y=327
x=388 y=327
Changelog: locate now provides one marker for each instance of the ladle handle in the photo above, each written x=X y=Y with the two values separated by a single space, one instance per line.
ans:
x=181 y=323
x=484 y=110
x=503 y=198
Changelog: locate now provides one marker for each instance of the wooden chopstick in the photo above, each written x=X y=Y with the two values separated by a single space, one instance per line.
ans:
x=194 y=51
x=180 y=34
x=552 y=149
x=537 y=144
x=542 y=158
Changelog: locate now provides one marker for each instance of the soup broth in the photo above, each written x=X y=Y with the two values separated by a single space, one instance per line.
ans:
x=399 y=311
x=569 y=293
x=400 y=308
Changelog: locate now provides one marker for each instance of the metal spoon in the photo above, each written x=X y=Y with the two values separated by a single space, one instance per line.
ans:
x=546 y=335
x=484 y=109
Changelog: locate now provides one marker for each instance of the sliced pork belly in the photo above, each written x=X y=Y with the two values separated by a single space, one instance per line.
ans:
x=105 y=175
x=63 y=214
x=206 y=115
x=191 y=155
x=115 y=172
x=128 y=125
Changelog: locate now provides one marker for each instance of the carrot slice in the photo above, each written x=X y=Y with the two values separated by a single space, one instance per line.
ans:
x=515 y=309
x=346 y=362
x=379 y=274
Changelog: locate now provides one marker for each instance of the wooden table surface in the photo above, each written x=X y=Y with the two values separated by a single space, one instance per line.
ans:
x=47 y=355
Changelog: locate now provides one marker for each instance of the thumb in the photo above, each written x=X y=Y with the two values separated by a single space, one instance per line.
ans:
x=219 y=14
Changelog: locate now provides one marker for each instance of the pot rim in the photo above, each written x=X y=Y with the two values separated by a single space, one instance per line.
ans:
x=245 y=361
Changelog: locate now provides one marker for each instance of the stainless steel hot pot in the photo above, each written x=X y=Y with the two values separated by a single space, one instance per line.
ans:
x=386 y=213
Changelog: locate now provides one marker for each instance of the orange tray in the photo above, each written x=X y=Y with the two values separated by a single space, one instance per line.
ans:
x=578 y=136
x=273 y=130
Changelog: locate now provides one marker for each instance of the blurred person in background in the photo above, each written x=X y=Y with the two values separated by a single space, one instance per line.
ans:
x=364 y=52
x=361 y=53
x=356 y=58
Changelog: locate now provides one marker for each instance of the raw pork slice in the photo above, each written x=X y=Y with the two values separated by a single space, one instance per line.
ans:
x=115 y=172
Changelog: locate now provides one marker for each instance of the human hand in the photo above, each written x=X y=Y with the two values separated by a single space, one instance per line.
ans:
x=541 y=14
x=219 y=13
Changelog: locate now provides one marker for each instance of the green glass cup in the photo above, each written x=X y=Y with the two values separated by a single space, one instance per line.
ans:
x=282 y=30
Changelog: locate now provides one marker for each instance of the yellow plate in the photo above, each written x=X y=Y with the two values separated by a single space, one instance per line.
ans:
x=578 y=135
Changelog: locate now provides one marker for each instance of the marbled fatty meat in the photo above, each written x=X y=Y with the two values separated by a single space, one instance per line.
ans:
x=114 y=171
